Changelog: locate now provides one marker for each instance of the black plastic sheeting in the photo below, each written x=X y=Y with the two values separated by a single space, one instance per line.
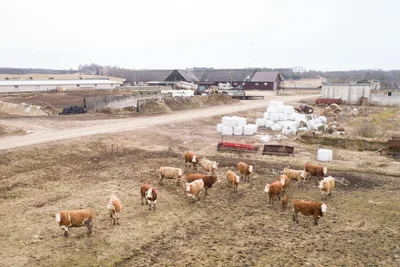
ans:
x=73 y=110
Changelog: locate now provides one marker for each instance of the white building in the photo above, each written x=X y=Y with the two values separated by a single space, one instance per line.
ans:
x=349 y=93
x=12 y=86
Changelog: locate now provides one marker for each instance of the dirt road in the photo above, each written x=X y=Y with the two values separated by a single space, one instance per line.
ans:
x=44 y=134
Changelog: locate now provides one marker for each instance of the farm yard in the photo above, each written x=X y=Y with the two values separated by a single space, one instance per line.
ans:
x=361 y=226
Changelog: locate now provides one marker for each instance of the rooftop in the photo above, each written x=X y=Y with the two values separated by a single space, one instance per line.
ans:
x=54 y=82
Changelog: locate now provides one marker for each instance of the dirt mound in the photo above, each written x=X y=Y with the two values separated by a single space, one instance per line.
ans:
x=124 y=110
x=183 y=103
x=21 y=109
x=155 y=107
x=48 y=108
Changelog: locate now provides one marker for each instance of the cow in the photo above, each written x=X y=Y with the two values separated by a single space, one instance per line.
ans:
x=207 y=179
x=245 y=170
x=170 y=173
x=299 y=175
x=114 y=206
x=274 y=190
x=326 y=186
x=148 y=193
x=75 y=218
x=191 y=158
x=307 y=208
x=286 y=183
x=194 y=188
x=233 y=179
x=284 y=202
x=315 y=170
x=209 y=166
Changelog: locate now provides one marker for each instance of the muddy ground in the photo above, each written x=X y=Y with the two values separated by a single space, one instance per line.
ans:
x=224 y=229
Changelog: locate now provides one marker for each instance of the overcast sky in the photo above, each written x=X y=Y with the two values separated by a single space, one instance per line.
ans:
x=321 y=35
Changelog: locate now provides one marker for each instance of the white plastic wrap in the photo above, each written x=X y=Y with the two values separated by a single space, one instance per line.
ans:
x=272 y=109
x=310 y=124
x=288 y=109
x=283 y=117
x=292 y=116
x=220 y=128
x=238 y=130
x=324 y=155
x=266 y=115
x=274 y=116
x=227 y=130
x=249 y=129
x=269 y=123
x=323 y=119
x=289 y=130
x=276 y=127
x=228 y=121
x=260 y=122
x=302 y=130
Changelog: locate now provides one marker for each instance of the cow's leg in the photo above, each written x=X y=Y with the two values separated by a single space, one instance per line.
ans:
x=89 y=226
x=141 y=199
x=296 y=215
x=150 y=206
x=161 y=179
x=205 y=189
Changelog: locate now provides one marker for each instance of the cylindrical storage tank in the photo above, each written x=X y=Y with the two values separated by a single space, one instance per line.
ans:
x=276 y=127
x=283 y=117
x=260 y=122
x=227 y=130
x=274 y=116
x=324 y=155
x=238 y=130
x=288 y=109
x=268 y=123
x=266 y=115
x=220 y=128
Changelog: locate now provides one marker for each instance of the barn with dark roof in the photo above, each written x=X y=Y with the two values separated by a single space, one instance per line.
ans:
x=265 y=81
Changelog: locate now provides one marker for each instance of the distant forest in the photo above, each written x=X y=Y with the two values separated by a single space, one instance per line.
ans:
x=288 y=73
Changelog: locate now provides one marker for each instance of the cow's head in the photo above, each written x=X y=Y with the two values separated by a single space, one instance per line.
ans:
x=325 y=170
x=266 y=189
x=194 y=158
x=321 y=184
x=180 y=172
x=149 y=193
x=324 y=208
x=58 y=217
x=237 y=178
x=110 y=205
x=303 y=174
x=282 y=181
x=214 y=165
x=251 y=168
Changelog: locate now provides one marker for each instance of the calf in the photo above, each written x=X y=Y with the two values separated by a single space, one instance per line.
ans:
x=193 y=189
x=307 y=208
x=315 y=170
x=148 y=193
x=170 y=173
x=191 y=158
x=207 y=179
x=274 y=190
x=326 y=186
x=75 y=218
x=286 y=183
x=245 y=170
x=233 y=179
x=300 y=176
x=114 y=206
x=209 y=166
x=284 y=202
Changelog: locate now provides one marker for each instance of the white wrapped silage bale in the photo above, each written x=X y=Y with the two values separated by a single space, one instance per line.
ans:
x=220 y=128
x=268 y=123
x=227 y=130
x=260 y=122
x=274 y=116
x=238 y=130
x=280 y=109
x=317 y=121
x=254 y=126
x=249 y=129
x=292 y=124
x=288 y=109
x=291 y=117
x=275 y=103
x=324 y=155
x=323 y=119
x=320 y=127
x=266 y=115
x=240 y=121
x=225 y=120
x=302 y=130
x=276 y=127
x=310 y=124
x=272 y=109
x=289 y=130
x=228 y=121
x=283 y=117
x=300 y=116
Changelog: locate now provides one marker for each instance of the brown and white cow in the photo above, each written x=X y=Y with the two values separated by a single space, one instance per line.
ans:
x=75 y=218
x=326 y=186
x=233 y=179
x=170 y=173
x=193 y=189
x=148 y=193
x=209 y=166
x=315 y=170
x=191 y=158
x=245 y=170
x=274 y=190
x=114 y=206
x=208 y=180
x=284 y=202
x=308 y=208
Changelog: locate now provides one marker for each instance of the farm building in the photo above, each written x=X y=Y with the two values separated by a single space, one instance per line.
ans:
x=156 y=77
x=349 y=93
x=265 y=81
x=210 y=77
x=385 y=98
x=9 y=86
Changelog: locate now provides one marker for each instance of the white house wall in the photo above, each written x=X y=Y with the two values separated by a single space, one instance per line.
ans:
x=44 y=88
x=384 y=100
x=349 y=93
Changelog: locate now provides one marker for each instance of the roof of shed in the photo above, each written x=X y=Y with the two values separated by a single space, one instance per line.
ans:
x=54 y=82
x=223 y=75
x=149 y=75
x=266 y=76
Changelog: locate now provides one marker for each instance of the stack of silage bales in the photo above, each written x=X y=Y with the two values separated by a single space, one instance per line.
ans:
x=236 y=126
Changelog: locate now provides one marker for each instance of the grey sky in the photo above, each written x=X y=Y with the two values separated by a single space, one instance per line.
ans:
x=322 y=35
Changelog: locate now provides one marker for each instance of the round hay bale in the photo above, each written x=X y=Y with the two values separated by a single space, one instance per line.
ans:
x=337 y=111
x=334 y=106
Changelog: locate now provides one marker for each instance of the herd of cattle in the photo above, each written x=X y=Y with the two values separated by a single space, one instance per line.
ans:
x=197 y=182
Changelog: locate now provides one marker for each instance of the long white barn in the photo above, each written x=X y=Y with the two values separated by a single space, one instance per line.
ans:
x=12 y=86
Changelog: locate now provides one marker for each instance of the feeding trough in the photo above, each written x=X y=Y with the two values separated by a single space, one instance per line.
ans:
x=229 y=146
x=280 y=150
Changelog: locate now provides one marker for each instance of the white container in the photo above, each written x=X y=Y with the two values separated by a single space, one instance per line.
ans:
x=238 y=130
x=288 y=109
x=268 y=123
x=220 y=128
x=272 y=109
x=227 y=130
x=274 y=116
x=283 y=117
x=276 y=127
x=324 y=155
x=323 y=119
x=260 y=122
x=241 y=121
x=266 y=115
